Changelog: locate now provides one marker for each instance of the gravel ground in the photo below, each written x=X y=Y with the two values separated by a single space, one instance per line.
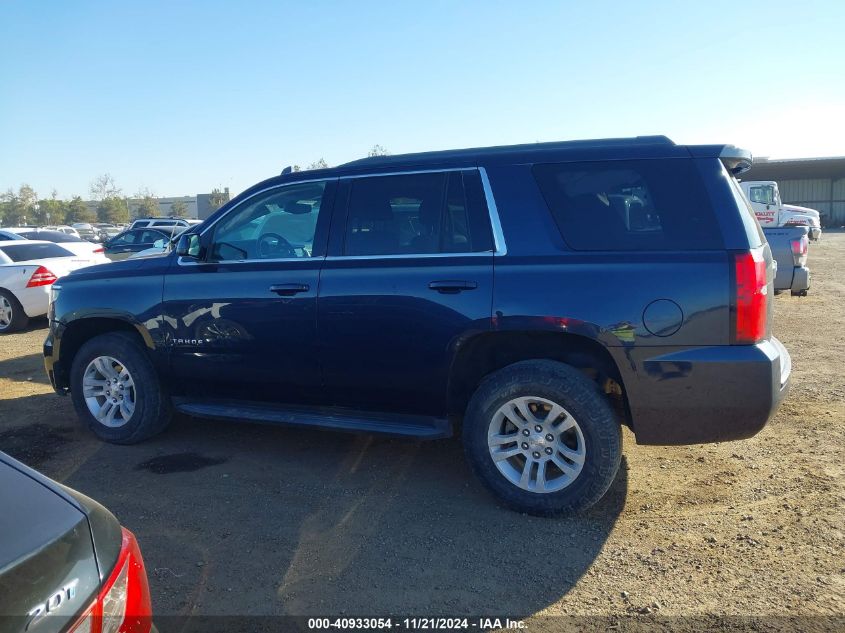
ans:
x=236 y=519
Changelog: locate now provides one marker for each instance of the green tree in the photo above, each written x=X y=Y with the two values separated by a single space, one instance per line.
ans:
x=218 y=198
x=104 y=187
x=13 y=213
x=148 y=208
x=113 y=210
x=378 y=150
x=179 y=209
x=50 y=210
x=78 y=211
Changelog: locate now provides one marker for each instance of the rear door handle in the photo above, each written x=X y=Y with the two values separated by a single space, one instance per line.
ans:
x=288 y=290
x=452 y=287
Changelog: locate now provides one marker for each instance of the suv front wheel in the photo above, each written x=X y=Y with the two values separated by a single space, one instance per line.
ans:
x=542 y=438
x=116 y=390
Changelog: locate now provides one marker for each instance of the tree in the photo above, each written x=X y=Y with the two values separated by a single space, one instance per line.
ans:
x=51 y=210
x=104 y=187
x=10 y=208
x=218 y=198
x=78 y=211
x=28 y=201
x=378 y=150
x=318 y=164
x=16 y=205
x=113 y=210
x=179 y=209
x=148 y=208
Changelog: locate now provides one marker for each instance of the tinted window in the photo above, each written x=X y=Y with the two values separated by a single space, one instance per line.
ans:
x=129 y=237
x=148 y=237
x=280 y=224
x=630 y=205
x=413 y=214
x=26 y=252
x=140 y=223
x=51 y=236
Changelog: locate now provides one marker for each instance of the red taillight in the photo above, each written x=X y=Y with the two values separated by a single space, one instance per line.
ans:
x=799 y=250
x=752 y=294
x=123 y=604
x=100 y=250
x=41 y=277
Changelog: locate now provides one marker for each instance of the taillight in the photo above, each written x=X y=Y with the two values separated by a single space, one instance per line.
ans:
x=123 y=604
x=41 y=277
x=799 y=250
x=100 y=250
x=752 y=294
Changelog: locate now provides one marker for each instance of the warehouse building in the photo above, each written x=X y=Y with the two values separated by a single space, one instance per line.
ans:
x=818 y=183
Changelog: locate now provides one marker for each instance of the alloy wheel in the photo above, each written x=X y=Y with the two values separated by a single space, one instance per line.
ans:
x=536 y=444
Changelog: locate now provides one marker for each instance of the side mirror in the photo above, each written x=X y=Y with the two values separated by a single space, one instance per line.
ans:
x=188 y=246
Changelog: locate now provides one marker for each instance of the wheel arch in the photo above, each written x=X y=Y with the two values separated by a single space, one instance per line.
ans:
x=79 y=331
x=486 y=353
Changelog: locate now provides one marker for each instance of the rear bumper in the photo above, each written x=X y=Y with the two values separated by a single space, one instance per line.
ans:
x=34 y=300
x=800 y=278
x=707 y=394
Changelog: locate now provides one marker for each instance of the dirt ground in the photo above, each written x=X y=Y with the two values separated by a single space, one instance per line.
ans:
x=239 y=518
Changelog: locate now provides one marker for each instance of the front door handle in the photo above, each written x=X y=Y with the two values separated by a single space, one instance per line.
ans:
x=288 y=290
x=452 y=287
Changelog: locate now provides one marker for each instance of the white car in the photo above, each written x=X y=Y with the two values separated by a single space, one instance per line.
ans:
x=94 y=252
x=28 y=269
x=64 y=228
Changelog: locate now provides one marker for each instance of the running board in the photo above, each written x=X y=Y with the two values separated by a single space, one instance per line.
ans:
x=335 y=419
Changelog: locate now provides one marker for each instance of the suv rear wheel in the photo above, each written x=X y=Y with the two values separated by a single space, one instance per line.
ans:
x=116 y=391
x=542 y=438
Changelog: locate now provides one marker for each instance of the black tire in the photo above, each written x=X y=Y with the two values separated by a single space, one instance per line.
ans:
x=19 y=319
x=577 y=394
x=153 y=409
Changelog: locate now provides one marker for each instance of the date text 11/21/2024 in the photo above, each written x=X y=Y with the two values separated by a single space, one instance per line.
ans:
x=416 y=624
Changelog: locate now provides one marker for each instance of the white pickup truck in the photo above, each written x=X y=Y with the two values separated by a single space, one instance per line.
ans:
x=772 y=212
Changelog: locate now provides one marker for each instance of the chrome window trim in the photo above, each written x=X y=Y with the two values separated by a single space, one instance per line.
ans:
x=227 y=262
x=500 y=247
x=496 y=224
x=338 y=258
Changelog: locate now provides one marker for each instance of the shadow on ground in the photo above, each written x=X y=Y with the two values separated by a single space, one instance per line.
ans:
x=29 y=368
x=241 y=518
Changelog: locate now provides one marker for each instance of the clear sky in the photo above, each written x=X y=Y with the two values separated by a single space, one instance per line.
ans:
x=180 y=97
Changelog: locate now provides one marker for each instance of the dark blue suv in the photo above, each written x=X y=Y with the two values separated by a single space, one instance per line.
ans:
x=536 y=297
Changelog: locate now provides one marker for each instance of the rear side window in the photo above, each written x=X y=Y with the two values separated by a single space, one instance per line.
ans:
x=26 y=252
x=414 y=214
x=140 y=224
x=51 y=236
x=630 y=205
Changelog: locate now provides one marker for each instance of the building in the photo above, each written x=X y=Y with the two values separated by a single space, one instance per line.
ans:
x=818 y=183
x=198 y=207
